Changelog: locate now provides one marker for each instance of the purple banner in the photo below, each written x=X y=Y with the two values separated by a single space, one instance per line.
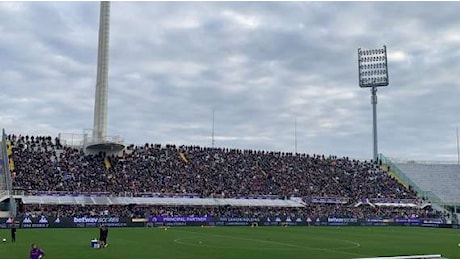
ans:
x=179 y=219
x=432 y=221
x=406 y=220
x=374 y=220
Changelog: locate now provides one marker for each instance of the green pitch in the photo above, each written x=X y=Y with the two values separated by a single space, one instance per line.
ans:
x=238 y=242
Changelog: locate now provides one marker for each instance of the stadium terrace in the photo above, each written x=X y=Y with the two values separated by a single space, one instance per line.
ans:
x=50 y=179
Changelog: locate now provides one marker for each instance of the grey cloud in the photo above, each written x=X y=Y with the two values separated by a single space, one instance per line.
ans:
x=257 y=64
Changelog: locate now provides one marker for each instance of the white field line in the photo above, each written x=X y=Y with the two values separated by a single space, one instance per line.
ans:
x=287 y=244
x=180 y=240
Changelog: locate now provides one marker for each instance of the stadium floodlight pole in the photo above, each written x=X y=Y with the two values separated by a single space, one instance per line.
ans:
x=458 y=149
x=373 y=73
x=295 y=134
x=212 y=137
x=374 y=120
x=100 y=104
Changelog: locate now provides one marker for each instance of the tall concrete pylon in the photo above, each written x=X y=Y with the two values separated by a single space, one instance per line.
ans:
x=100 y=141
x=100 y=102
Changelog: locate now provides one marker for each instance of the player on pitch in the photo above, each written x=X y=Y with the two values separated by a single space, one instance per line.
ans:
x=103 y=233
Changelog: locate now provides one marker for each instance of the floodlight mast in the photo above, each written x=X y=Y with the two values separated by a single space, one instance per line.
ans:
x=212 y=135
x=100 y=104
x=373 y=73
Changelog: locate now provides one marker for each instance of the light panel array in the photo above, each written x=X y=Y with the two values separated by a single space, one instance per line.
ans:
x=373 y=69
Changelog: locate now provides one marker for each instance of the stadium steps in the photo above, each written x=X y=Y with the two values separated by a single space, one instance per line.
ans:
x=183 y=157
x=107 y=163
x=9 y=151
x=11 y=164
x=385 y=167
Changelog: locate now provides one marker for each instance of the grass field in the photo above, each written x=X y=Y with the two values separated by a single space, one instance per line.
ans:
x=238 y=242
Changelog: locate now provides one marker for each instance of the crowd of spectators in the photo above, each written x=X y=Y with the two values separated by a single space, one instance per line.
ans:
x=313 y=211
x=43 y=164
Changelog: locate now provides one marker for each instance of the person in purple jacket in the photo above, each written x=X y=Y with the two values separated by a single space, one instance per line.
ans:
x=36 y=253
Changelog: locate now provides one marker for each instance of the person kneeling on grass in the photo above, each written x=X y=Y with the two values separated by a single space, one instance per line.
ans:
x=36 y=253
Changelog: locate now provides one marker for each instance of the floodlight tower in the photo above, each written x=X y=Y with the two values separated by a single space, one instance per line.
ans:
x=100 y=141
x=373 y=73
x=100 y=103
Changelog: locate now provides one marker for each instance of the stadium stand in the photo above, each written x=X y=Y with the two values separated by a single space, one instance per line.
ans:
x=43 y=165
x=56 y=177
x=441 y=179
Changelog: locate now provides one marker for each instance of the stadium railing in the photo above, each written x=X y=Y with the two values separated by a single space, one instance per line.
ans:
x=80 y=140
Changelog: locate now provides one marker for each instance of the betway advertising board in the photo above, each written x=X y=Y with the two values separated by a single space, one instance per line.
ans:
x=69 y=222
x=96 y=221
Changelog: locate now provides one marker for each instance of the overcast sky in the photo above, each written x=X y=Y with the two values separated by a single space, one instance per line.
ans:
x=259 y=65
